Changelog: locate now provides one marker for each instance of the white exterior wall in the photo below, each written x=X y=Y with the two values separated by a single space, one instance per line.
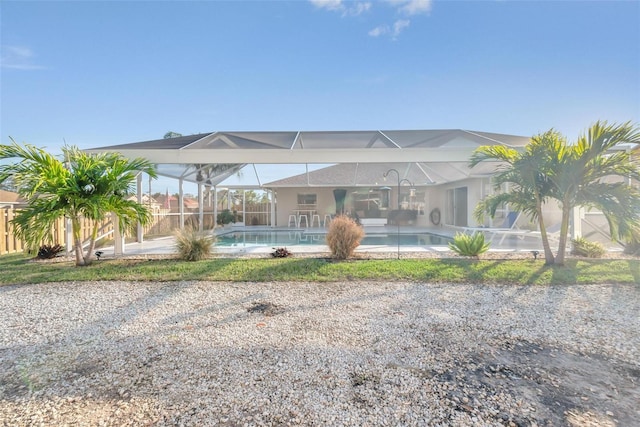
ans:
x=287 y=201
x=435 y=197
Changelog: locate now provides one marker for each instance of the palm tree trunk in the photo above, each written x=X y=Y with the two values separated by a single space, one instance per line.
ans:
x=548 y=253
x=77 y=241
x=88 y=258
x=564 y=232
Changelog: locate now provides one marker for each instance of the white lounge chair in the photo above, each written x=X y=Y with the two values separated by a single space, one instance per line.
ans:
x=508 y=224
x=508 y=227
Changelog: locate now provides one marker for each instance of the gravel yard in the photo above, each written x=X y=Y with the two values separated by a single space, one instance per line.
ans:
x=356 y=354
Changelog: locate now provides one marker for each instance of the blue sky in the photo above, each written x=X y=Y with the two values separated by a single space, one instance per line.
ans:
x=99 y=73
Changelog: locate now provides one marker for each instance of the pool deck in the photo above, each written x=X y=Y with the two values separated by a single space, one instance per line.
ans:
x=166 y=245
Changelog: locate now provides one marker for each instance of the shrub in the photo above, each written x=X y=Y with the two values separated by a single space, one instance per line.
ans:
x=583 y=247
x=469 y=244
x=49 y=251
x=343 y=237
x=225 y=217
x=281 y=253
x=193 y=245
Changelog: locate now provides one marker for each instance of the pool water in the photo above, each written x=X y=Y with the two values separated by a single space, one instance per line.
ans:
x=294 y=238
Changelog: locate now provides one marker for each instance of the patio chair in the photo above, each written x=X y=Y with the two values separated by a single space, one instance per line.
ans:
x=508 y=224
x=508 y=227
x=553 y=232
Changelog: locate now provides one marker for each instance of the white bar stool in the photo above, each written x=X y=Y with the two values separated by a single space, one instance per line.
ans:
x=313 y=220
x=306 y=220
x=327 y=220
x=293 y=218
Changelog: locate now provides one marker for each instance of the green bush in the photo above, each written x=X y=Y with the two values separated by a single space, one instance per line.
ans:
x=193 y=245
x=225 y=217
x=343 y=237
x=583 y=247
x=472 y=245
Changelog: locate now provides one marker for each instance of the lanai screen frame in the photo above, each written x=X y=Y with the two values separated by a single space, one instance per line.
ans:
x=238 y=149
x=311 y=147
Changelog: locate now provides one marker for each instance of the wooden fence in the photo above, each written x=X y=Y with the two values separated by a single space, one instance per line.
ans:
x=9 y=243
x=163 y=223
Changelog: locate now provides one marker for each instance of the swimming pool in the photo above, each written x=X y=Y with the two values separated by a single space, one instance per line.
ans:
x=295 y=238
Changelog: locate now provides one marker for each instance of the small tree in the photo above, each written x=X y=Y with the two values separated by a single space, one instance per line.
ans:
x=82 y=185
x=524 y=172
x=589 y=173
x=592 y=174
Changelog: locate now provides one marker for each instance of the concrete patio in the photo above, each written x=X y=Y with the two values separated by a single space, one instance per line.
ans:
x=525 y=242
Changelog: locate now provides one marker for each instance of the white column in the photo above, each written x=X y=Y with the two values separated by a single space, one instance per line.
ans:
x=576 y=222
x=200 y=208
x=215 y=206
x=273 y=208
x=181 y=201
x=140 y=229
x=244 y=207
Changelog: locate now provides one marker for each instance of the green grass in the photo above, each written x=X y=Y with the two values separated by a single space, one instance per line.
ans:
x=16 y=269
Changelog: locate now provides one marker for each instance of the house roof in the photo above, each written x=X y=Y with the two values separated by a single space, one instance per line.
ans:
x=10 y=198
x=301 y=141
x=213 y=157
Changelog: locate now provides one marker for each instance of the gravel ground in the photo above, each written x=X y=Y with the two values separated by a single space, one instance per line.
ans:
x=352 y=354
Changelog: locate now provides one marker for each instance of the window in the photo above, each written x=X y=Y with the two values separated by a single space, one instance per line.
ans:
x=307 y=199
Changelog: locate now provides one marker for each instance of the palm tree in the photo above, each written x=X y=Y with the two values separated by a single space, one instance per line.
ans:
x=529 y=187
x=593 y=174
x=590 y=173
x=89 y=186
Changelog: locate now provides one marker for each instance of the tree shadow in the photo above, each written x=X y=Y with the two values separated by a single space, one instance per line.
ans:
x=481 y=270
